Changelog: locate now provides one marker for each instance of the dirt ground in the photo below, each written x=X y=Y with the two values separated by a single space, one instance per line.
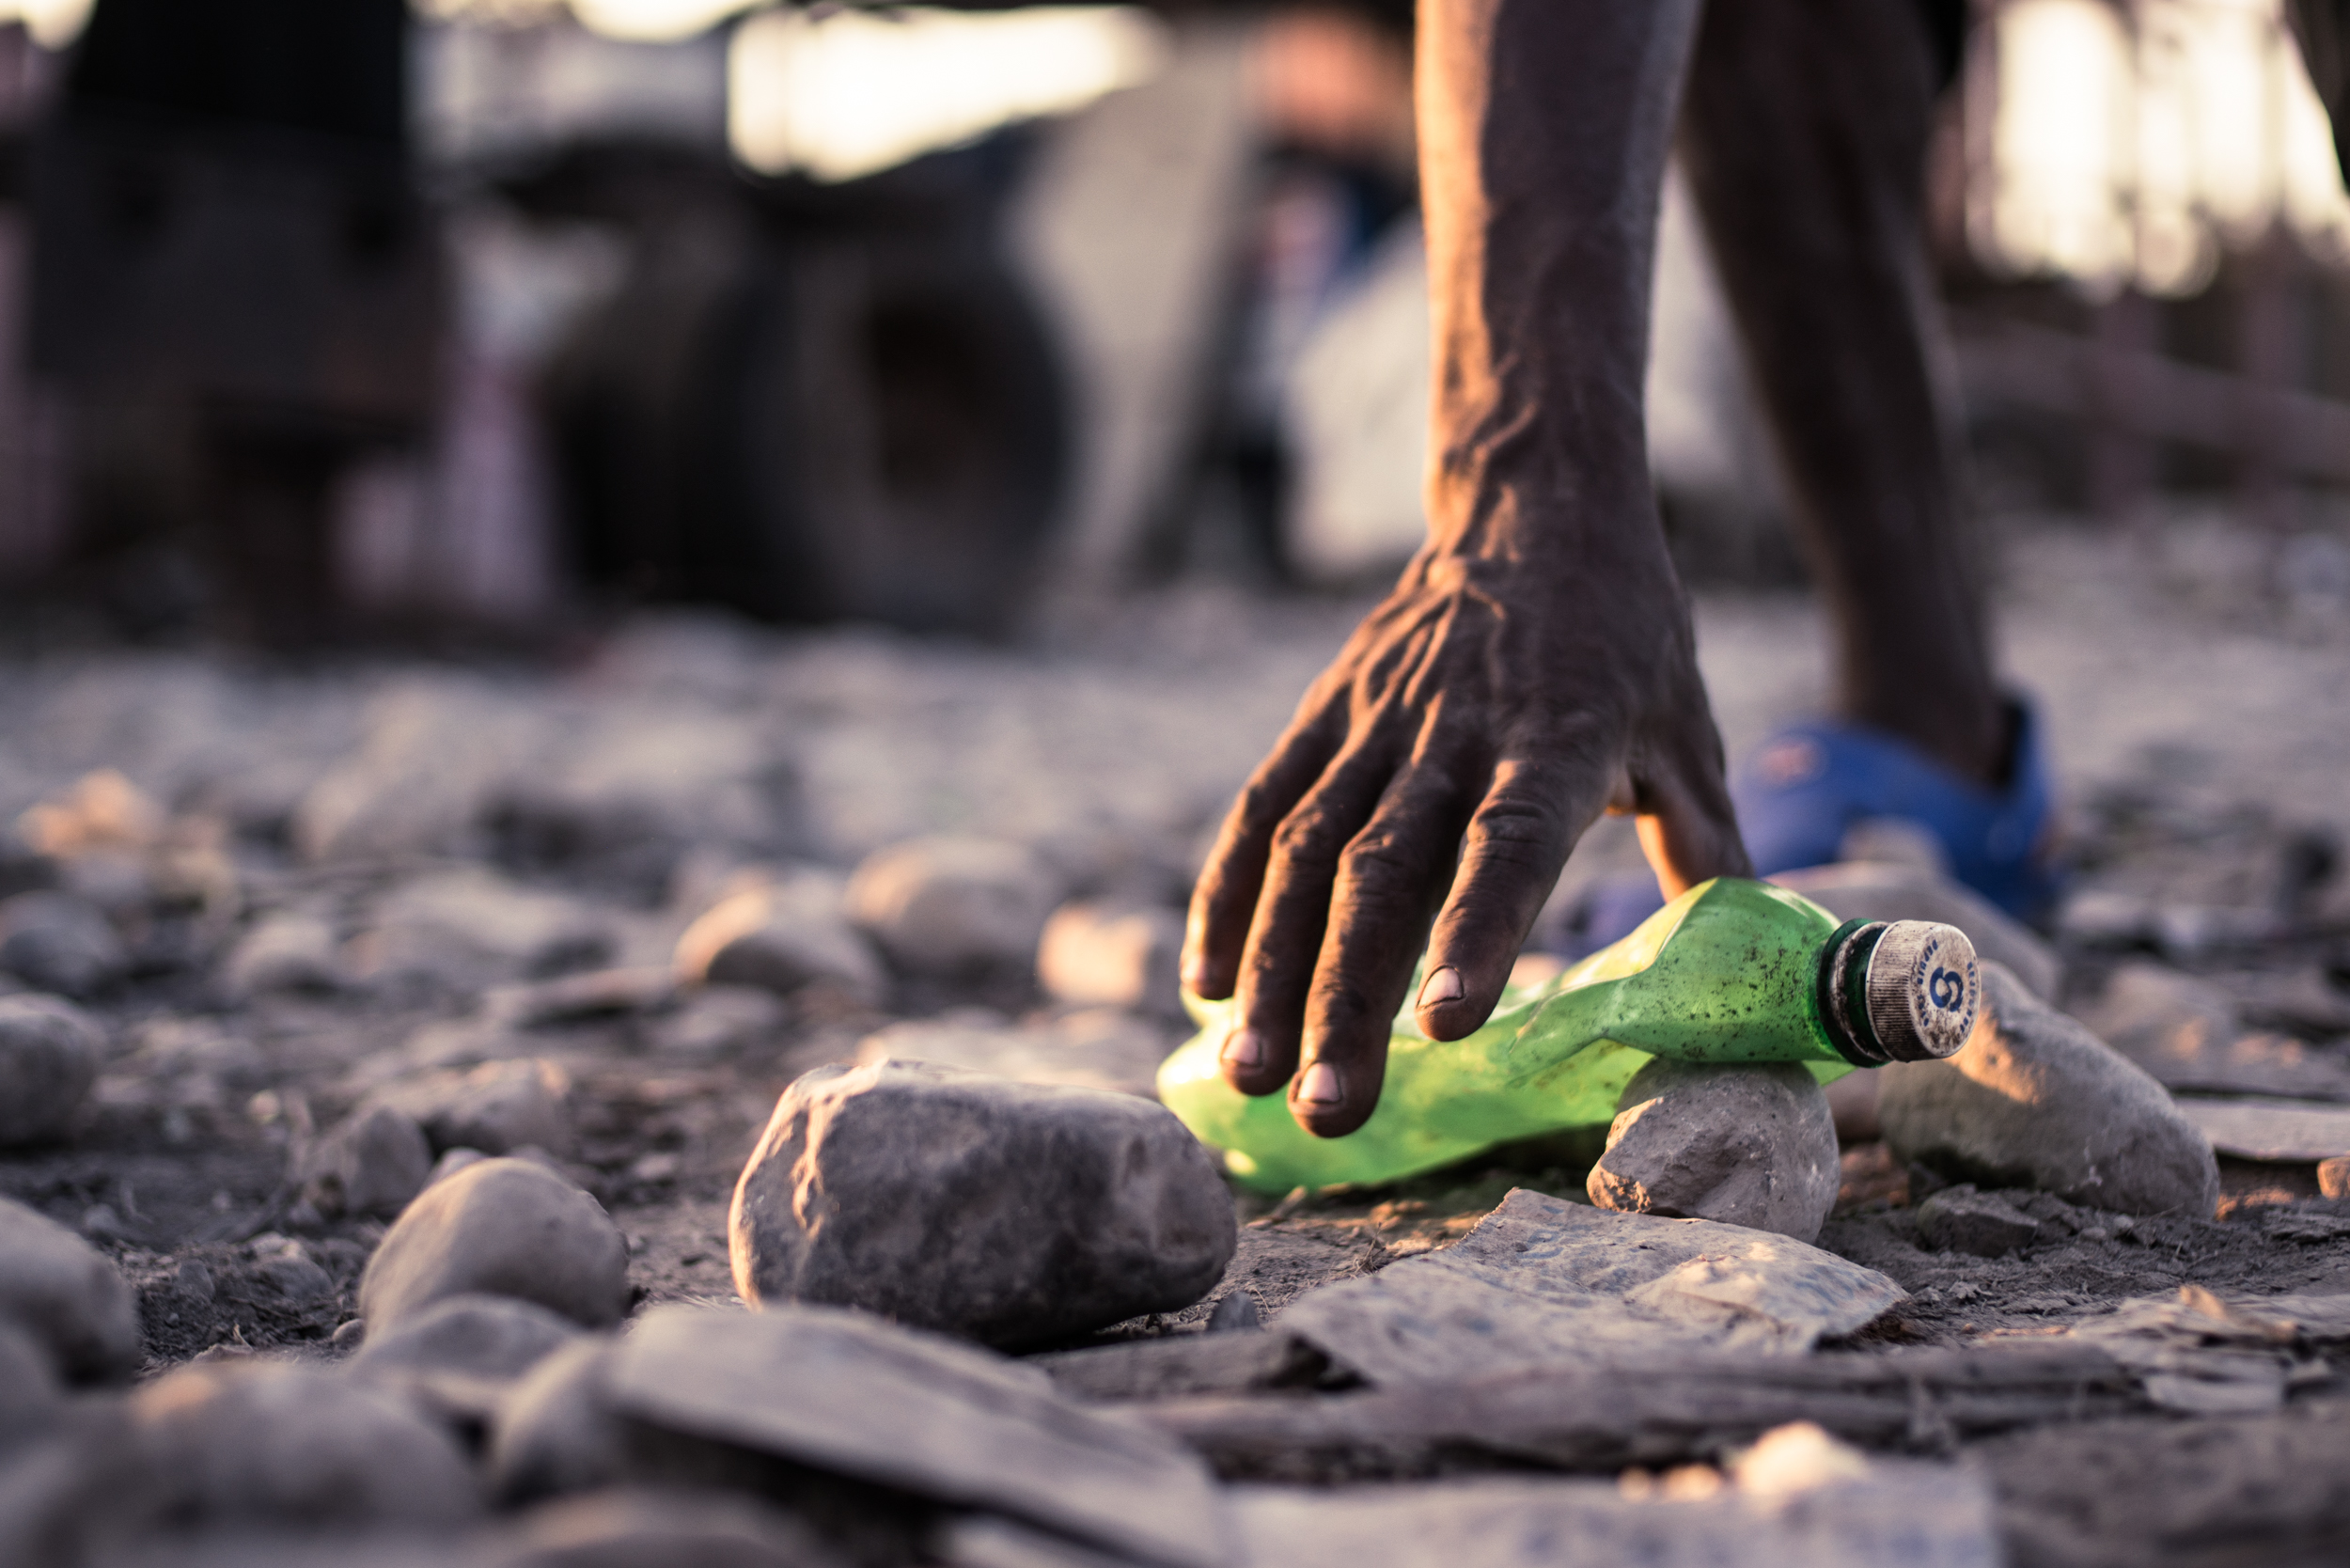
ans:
x=2201 y=727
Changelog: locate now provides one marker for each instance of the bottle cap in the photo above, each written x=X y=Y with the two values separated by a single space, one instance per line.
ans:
x=1899 y=991
x=1923 y=989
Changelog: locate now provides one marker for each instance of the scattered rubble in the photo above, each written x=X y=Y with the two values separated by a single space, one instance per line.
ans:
x=951 y=905
x=433 y=1020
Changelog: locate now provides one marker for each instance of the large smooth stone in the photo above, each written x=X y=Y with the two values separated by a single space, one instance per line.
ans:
x=1745 y=1145
x=268 y=1442
x=1011 y=1213
x=2034 y=1100
x=64 y=1296
x=951 y=905
x=49 y=1055
x=60 y=942
x=504 y=1227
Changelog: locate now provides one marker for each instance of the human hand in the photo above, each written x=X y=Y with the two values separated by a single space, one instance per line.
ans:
x=1466 y=735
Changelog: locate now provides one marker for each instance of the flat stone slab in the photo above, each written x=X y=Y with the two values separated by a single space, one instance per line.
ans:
x=2282 y=1132
x=1545 y=1282
x=1867 y=1516
x=845 y=1392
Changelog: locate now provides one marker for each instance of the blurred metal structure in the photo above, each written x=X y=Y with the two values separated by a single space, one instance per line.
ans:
x=2142 y=214
x=229 y=250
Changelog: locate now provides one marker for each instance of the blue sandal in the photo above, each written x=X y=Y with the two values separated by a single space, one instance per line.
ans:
x=1805 y=787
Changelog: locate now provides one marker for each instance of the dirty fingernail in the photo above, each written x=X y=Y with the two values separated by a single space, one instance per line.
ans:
x=1244 y=1049
x=1320 y=1086
x=1442 y=986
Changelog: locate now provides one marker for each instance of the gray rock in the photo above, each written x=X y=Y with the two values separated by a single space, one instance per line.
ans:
x=579 y=998
x=454 y=1160
x=1543 y=1282
x=633 y=787
x=1096 y=1049
x=1236 y=1313
x=643 y=1528
x=290 y=1270
x=949 y=905
x=431 y=754
x=373 y=1163
x=1013 y=1213
x=49 y=1055
x=2276 y=1131
x=497 y=1107
x=2189 y=1035
x=505 y=1227
x=67 y=1299
x=30 y=1399
x=283 y=952
x=557 y=1433
x=2034 y=1100
x=463 y=1354
x=271 y=1443
x=720 y=1020
x=1960 y=1219
x=781 y=937
x=1110 y=954
x=60 y=942
x=1827 y=1507
x=468 y=929
x=1880 y=890
x=843 y=1393
x=1745 y=1145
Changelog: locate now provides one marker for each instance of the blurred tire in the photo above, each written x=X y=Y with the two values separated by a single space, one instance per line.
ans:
x=861 y=427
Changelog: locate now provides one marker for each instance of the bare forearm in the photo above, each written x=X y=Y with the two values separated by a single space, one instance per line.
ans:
x=1543 y=126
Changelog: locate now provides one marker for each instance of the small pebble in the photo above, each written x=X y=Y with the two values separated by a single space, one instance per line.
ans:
x=49 y=1056
x=1236 y=1313
x=507 y=1226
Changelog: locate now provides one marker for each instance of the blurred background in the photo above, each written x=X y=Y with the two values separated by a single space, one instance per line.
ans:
x=488 y=318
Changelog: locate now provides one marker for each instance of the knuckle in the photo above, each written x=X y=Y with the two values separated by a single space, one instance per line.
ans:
x=1309 y=833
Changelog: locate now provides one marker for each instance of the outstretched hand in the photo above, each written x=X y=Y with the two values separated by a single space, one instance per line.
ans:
x=1470 y=731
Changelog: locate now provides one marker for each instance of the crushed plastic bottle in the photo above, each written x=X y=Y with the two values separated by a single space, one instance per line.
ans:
x=1730 y=971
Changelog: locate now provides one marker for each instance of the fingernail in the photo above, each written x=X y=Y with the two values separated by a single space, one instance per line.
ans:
x=1320 y=1086
x=1442 y=986
x=1244 y=1049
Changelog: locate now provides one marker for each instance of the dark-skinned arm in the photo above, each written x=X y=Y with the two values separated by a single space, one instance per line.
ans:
x=1534 y=666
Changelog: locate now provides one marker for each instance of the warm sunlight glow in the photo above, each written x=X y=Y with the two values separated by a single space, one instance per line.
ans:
x=855 y=91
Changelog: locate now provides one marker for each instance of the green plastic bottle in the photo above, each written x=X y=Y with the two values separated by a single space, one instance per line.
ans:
x=1730 y=971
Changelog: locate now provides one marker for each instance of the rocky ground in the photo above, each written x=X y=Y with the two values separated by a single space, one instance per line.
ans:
x=283 y=948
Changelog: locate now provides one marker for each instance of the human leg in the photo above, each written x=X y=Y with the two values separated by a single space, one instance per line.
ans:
x=1803 y=135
